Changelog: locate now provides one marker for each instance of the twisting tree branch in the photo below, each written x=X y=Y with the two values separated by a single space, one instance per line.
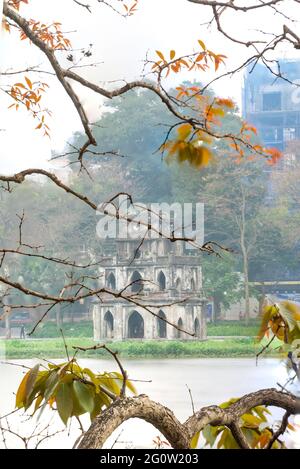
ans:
x=180 y=435
x=63 y=75
x=281 y=430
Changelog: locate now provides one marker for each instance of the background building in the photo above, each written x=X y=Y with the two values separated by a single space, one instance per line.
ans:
x=272 y=104
x=167 y=277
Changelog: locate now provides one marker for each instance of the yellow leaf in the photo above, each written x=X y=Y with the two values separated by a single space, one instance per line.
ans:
x=268 y=313
x=201 y=43
x=184 y=131
x=21 y=393
x=160 y=55
x=172 y=54
x=38 y=403
x=195 y=439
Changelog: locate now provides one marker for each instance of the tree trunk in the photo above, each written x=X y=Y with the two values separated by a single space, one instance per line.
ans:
x=246 y=287
x=59 y=319
x=7 y=328
x=245 y=260
x=216 y=311
x=7 y=314
x=262 y=303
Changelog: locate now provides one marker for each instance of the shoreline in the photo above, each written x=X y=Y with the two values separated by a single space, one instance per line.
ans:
x=238 y=347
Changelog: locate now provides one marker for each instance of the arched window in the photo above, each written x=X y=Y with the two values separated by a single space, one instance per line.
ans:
x=136 y=282
x=135 y=326
x=197 y=327
x=178 y=283
x=180 y=325
x=161 y=325
x=192 y=284
x=111 y=281
x=161 y=281
x=108 y=325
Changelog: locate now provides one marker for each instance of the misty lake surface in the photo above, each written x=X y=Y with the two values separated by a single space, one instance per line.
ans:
x=211 y=381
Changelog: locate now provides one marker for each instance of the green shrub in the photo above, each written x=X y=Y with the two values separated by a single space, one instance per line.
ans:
x=54 y=348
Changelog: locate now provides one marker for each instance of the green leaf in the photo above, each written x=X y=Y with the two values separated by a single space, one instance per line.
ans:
x=78 y=409
x=99 y=402
x=51 y=384
x=261 y=411
x=64 y=401
x=251 y=421
x=50 y=387
x=85 y=395
x=227 y=441
x=210 y=434
x=109 y=383
x=119 y=380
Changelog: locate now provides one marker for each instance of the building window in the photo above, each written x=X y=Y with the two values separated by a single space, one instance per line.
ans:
x=162 y=325
x=111 y=281
x=161 y=281
x=180 y=326
x=269 y=134
x=289 y=134
x=197 y=327
x=289 y=160
x=135 y=326
x=272 y=101
x=108 y=325
x=136 y=282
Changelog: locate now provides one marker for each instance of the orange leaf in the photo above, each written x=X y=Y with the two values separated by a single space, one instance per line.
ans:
x=28 y=83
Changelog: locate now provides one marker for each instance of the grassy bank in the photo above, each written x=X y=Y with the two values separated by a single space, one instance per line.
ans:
x=54 y=348
x=233 y=328
x=85 y=329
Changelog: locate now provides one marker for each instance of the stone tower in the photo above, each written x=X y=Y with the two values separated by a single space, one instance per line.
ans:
x=163 y=273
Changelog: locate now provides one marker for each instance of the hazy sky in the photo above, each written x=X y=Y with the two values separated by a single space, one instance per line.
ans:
x=121 y=46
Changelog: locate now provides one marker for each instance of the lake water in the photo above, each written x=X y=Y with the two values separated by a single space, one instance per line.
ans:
x=211 y=381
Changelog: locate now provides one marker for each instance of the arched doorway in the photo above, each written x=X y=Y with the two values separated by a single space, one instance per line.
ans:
x=161 y=281
x=136 y=282
x=108 y=325
x=111 y=281
x=161 y=325
x=135 y=326
x=197 y=327
x=180 y=325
